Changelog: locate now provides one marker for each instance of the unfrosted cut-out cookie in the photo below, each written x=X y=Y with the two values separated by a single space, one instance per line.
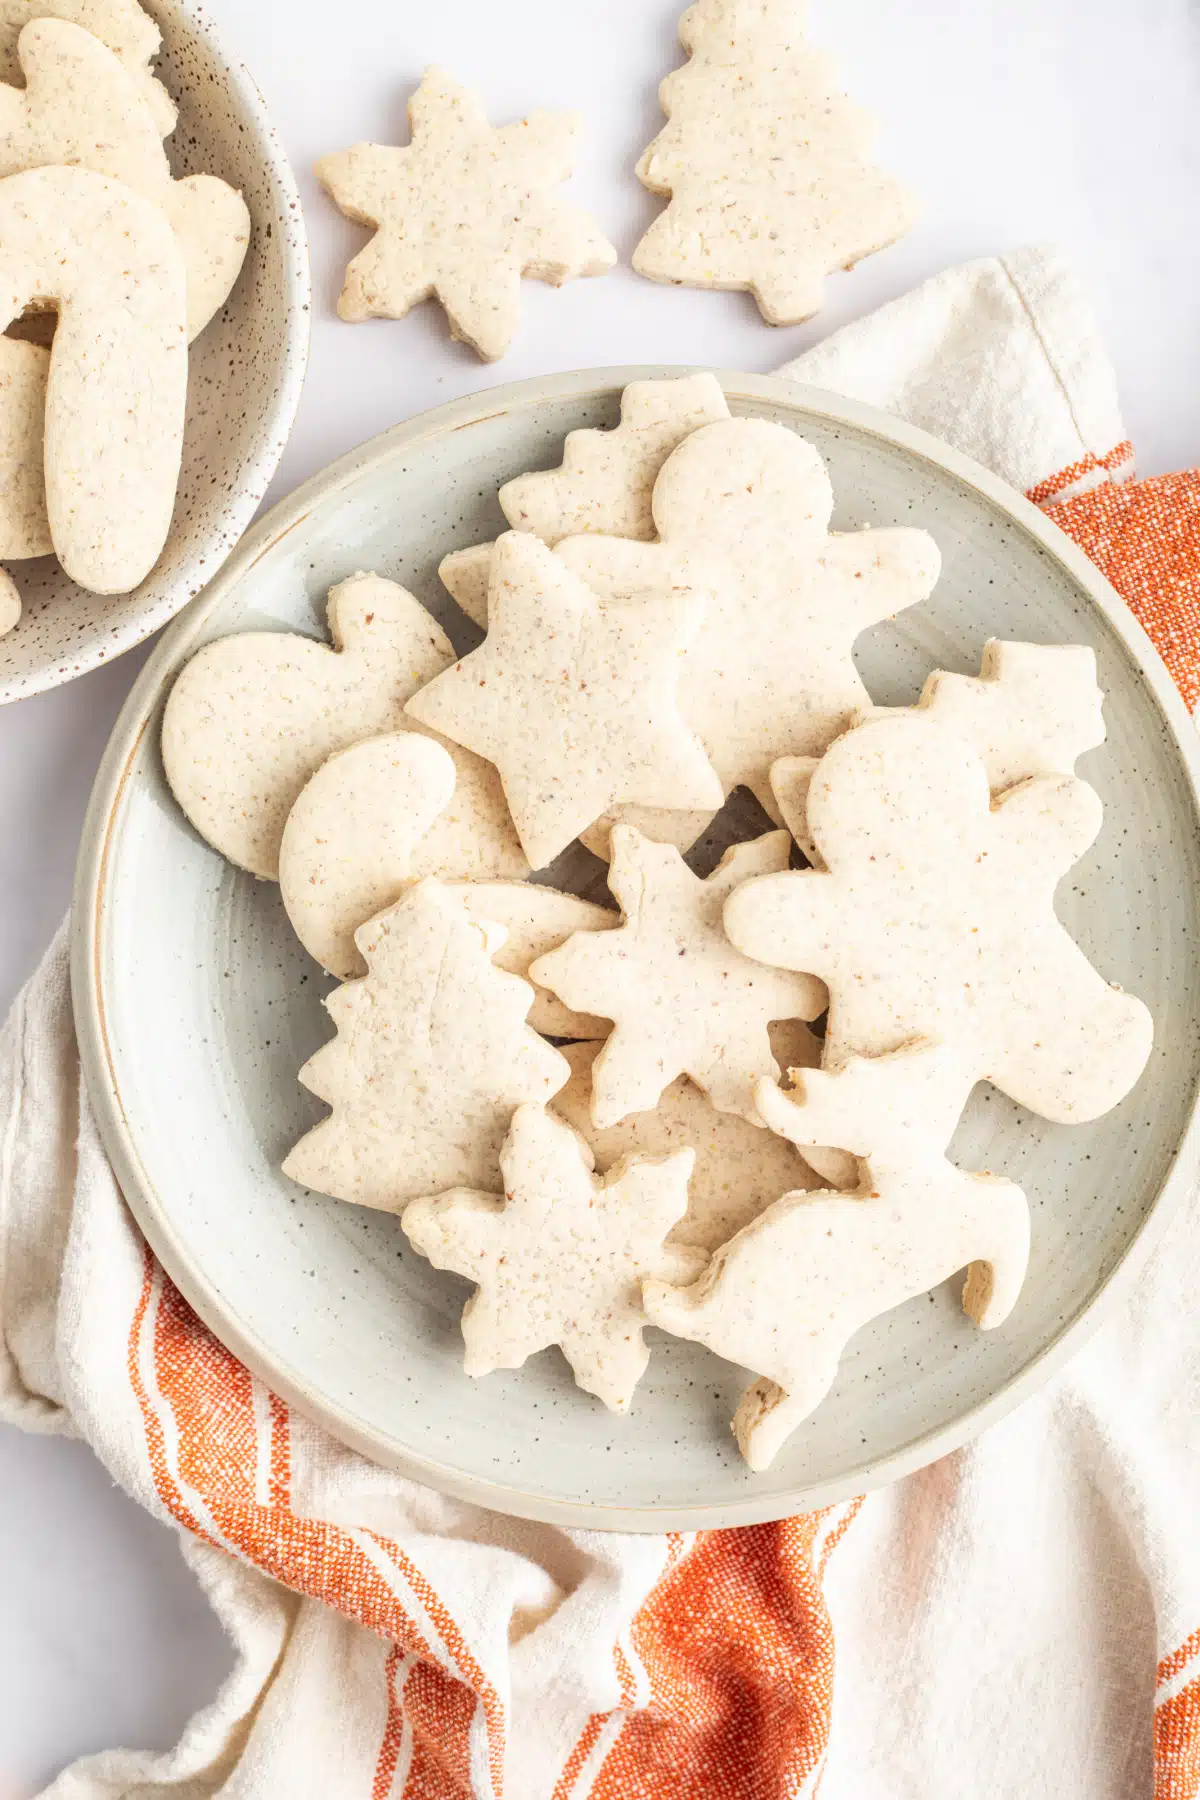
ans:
x=742 y=510
x=253 y=717
x=561 y=1257
x=682 y=999
x=933 y=917
x=765 y=162
x=431 y=1057
x=82 y=107
x=572 y=700
x=24 y=527
x=10 y=603
x=117 y=382
x=740 y=1169
x=1033 y=709
x=536 y=920
x=378 y=816
x=462 y=214
x=128 y=32
x=788 y=1293
x=605 y=482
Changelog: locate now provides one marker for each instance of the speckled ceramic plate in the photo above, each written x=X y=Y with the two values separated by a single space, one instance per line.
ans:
x=196 y=1007
x=245 y=374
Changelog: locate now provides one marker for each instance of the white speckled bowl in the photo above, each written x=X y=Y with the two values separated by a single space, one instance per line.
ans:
x=195 y=1007
x=245 y=375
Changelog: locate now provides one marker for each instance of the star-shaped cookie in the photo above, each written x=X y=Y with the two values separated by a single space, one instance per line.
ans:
x=561 y=1258
x=461 y=214
x=573 y=700
x=682 y=999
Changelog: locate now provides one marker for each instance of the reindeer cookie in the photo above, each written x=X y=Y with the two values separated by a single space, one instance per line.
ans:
x=560 y=1258
x=791 y=1289
x=431 y=1057
x=253 y=717
x=742 y=510
x=934 y=917
x=109 y=259
x=605 y=482
x=683 y=1000
x=81 y=106
x=461 y=214
x=572 y=700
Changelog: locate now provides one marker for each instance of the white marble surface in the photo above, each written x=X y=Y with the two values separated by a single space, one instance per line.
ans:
x=1077 y=120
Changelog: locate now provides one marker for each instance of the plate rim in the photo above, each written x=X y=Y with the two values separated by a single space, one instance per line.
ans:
x=98 y=1065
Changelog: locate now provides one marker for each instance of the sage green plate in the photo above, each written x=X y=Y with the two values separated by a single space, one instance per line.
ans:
x=196 y=1007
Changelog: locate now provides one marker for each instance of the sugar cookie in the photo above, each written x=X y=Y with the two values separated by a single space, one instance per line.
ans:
x=461 y=214
x=432 y=1054
x=129 y=33
x=742 y=510
x=378 y=816
x=24 y=527
x=573 y=701
x=765 y=163
x=537 y=920
x=10 y=603
x=788 y=1293
x=561 y=1257
x=605 y=482
x=82 y=107
x=934 y=918
x=739 y=1168
x=117 y=381
x=252 y=717
x=682 y=999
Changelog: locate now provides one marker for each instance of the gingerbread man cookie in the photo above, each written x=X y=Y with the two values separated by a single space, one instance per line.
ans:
x=560 y=1258
x=462 y=214
x=933 y=917
x=742 y=510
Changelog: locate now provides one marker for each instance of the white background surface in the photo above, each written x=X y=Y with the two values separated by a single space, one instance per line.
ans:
x=1077 y=120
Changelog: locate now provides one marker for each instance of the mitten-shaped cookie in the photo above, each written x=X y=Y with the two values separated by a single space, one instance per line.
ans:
x=791 y=1289
x=432 y=1054
x=934 y=917
x=573 y=701
x=129 y=32
x=742 y=510
x=461 y=214
x=683 y=999
x=561 y=1257
x=253 y=717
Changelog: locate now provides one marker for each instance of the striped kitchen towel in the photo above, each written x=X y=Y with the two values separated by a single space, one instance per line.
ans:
x=1021 y=1619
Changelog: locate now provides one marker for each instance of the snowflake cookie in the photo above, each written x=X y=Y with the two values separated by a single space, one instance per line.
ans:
x=561 y=1257
x=462 y=214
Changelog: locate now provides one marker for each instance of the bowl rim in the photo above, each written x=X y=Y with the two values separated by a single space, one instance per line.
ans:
x=256 y=473
x=101 y=1076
